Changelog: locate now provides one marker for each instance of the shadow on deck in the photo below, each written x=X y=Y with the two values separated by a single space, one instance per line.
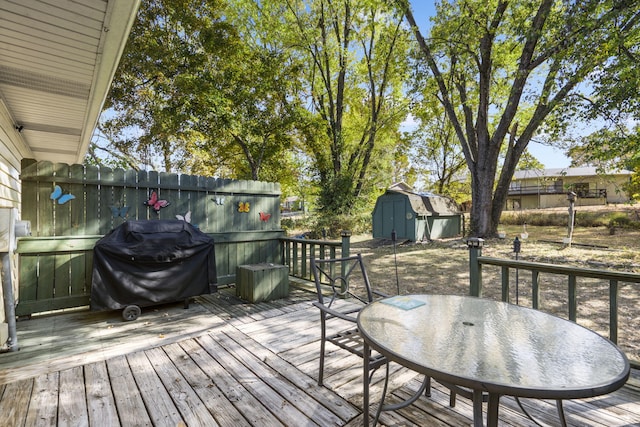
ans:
x=226 y=362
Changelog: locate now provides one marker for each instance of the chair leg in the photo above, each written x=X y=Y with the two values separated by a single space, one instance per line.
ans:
x=452 y=399
x=323 y=335
x=427 y=390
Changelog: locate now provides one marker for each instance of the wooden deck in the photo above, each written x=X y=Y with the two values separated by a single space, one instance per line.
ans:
x=228 y=363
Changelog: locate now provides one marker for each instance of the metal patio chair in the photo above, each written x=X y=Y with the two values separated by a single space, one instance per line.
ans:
x=343 y=289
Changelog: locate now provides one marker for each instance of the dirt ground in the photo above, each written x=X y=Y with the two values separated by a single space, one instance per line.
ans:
x=442 y=267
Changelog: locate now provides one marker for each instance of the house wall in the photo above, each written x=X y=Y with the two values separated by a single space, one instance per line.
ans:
x=12 y=150
x=615 y=192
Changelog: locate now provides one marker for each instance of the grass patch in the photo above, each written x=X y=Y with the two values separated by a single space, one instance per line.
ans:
x=586 y=218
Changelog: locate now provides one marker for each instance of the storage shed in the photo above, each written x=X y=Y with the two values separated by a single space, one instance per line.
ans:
x=415 y=216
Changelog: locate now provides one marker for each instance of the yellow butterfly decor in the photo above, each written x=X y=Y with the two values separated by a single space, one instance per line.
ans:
x=243 y=206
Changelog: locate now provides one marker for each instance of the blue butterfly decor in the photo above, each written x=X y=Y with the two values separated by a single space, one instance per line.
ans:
x=61 y=198
x=119 y=212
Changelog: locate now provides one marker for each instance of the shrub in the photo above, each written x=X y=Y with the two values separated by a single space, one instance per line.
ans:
x=333 y=225
x=561 y=219
x=619 y=220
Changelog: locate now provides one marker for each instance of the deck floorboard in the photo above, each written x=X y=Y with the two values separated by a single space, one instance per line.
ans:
x=225 y=362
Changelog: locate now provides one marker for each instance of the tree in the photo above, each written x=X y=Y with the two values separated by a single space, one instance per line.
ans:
x=145 y=116
x=607 y=148
x=356 y=57
x=613 y=106
x=436 y=150
x=508 y=70
x=528 y=161
x=206 y=87
x=254 y=129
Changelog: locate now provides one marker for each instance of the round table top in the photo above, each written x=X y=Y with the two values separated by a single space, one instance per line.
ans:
x=494 y=346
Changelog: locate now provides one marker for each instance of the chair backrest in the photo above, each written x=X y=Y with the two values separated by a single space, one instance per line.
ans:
x=338 y=278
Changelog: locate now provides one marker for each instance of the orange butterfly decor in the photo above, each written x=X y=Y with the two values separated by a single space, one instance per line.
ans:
x=264 y=216
x=243 y=207
x=156 y=204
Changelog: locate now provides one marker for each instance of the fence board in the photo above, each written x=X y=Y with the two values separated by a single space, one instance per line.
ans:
x=62 y=286
x=61 y=207
x=216 y=207
x=105 y=191
x=46 y=277
x=131 y=203
x=113 y=210
x=44 y=205
x=78 y=214
x=92 y=201
x=28 y=273
x=78 y=274
x=168 y=182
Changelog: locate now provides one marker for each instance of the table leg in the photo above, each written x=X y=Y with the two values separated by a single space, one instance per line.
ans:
x=477 y=408
x=492 y=410
x=365 y=384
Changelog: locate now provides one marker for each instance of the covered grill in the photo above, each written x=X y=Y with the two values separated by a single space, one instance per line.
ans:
x=141 y=263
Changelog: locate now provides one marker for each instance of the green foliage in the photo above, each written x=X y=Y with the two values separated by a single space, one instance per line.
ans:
x=582 y=219
x=633 y=186
x=148 y=116
x=435 y=148
x=197 y=90
x=332 y=226
x=329 y=227
x=356 y=57
x=528 y=161
x=609 y=148
x=620 y=220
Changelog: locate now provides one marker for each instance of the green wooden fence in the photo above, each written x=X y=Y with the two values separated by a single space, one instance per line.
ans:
x=72 y=206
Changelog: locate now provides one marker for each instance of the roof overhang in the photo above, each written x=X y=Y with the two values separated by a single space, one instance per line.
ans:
x=57 y=61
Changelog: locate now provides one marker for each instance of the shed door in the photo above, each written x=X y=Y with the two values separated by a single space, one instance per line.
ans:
x=393 y=217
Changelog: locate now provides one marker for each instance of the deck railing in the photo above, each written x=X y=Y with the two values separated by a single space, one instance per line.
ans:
x=297 y=252
x=556 y=189
x=477 y=261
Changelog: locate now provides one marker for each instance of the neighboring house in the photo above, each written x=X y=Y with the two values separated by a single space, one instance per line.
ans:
x=548 y=188
x=57 y=62
x=292 y=204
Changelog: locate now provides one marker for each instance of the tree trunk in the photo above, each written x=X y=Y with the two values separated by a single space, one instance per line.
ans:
x=481 y=208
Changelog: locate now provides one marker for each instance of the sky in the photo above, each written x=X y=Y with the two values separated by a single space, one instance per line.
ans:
x=549 y=156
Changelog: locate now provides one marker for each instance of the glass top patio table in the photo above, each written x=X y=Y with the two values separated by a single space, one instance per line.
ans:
x=493 y=347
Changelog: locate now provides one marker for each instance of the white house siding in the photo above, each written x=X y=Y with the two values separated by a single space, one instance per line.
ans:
x=12 y=150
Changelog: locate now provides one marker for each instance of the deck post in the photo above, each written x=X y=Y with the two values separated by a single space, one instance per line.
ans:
x=346 y=248
x=475 y=268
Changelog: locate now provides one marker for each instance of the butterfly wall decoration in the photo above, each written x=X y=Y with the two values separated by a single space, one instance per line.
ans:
x=219 y=200
x=186 y=217
x=156 y=203
x=264 y=217
x=243 y=207
x=119 y=212
x=61 y=198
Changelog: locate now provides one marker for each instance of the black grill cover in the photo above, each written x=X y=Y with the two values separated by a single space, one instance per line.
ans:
x=151 y=262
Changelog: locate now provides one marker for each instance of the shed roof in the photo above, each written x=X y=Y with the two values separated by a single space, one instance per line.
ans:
x=427 y=204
